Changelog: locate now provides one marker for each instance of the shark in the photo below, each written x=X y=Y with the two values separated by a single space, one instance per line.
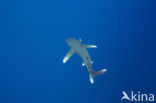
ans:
x=77 y=47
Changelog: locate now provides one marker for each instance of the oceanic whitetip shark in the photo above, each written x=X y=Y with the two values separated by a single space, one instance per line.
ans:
x=81 y=49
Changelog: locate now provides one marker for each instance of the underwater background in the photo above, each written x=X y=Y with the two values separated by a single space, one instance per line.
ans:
x=32 y=47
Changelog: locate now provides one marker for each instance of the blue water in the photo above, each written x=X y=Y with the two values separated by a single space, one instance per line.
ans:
x=32 y=47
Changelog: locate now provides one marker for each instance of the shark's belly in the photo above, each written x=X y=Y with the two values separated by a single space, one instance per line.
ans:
x=82 y=52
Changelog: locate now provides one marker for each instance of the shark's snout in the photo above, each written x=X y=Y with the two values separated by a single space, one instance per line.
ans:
x=69 y=41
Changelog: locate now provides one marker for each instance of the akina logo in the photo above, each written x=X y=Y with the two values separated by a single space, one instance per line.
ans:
x=137 y=96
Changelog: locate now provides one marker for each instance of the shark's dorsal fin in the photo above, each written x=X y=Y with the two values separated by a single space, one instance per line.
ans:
x=80 y=39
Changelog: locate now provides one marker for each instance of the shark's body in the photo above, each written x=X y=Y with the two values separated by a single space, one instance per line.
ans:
x=81 y=49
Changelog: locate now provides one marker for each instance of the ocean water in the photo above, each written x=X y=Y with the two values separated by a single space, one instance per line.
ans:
x=32 y=47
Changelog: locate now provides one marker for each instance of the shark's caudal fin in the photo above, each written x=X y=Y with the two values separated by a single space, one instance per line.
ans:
x=96 y=73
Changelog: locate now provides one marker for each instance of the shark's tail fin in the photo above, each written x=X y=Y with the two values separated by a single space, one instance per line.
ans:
x=96 y=73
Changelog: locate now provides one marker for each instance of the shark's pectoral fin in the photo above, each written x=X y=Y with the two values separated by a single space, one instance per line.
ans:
x=90 y=46
x=68 y=55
